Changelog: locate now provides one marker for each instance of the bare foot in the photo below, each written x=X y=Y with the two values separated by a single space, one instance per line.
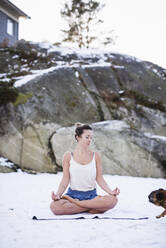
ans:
x=95 y=211
x=70 y=199
x=76 y=201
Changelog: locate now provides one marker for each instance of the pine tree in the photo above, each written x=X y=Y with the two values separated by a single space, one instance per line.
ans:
x=81 y=16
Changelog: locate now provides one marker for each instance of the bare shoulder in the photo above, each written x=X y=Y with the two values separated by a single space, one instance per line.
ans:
x=98 y=164
x=97 y=157
x=67 y=156
x=97 y=154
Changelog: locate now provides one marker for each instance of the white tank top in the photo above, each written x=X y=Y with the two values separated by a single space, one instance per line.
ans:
x=82 y=177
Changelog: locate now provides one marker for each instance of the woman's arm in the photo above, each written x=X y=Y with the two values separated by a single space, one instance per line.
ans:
x=65 y=179
x=100 y=180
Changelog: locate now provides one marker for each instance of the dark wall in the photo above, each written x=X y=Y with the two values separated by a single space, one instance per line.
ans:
x=3 y=29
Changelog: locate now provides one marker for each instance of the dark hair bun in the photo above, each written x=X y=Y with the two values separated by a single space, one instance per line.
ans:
x=80 y=129
x=78 y=124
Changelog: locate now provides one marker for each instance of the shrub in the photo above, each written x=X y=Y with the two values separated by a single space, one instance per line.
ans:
x=7 y=94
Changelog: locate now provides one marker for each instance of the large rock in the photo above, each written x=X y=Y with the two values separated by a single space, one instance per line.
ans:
x=88 y=88
x=124 y=151
x=120 y=155
x=30 y=148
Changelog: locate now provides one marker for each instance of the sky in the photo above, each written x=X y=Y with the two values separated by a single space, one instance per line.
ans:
x=139 y=25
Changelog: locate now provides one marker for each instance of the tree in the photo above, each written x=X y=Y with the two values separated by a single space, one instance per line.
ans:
x=81 y=17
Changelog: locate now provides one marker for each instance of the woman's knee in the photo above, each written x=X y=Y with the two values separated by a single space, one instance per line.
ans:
x=56 y=208
x=112 y=201
x=115 y=201
x=53 y=207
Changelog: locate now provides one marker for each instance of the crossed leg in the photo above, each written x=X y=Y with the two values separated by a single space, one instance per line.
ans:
x=99 y=204
x=68 y=205
x=64 y=206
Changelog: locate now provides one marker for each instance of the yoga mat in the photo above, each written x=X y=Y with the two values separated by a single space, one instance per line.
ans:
x=46 y=214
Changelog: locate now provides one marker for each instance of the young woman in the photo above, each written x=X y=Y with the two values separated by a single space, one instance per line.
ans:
x=82 y=169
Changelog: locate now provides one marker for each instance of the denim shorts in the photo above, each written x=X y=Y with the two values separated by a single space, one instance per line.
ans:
x=82 y=195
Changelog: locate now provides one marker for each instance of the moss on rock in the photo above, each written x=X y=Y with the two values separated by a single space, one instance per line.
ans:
x=22 y=98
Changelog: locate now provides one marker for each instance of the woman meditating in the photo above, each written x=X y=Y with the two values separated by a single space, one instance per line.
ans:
x=81 y=170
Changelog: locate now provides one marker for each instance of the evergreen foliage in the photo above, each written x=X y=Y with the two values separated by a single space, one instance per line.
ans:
x=82 y=20
x=7 y=94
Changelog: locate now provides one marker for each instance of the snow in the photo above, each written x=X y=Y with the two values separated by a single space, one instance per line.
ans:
x=98 y=64
x=102 y=54
x=111 y=125
x=5 y=80
x=102 y=58
x=3 y=75
x=5 y=162
x=155 y=69
x=159 y=73
x=83 y=52
x=129 y=58
x=21 y=193
x=158 y=137
x=77 y=74
x=35 y=74
x=121 y=91
x=118 y=66
x=15 y=57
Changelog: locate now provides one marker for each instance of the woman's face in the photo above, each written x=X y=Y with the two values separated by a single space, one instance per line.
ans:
x=86 y=138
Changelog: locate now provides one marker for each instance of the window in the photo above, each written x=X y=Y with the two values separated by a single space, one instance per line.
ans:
x=10 y=27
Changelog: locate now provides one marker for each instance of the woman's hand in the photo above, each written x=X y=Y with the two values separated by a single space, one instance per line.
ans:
x=55 y=197
x=115 y=192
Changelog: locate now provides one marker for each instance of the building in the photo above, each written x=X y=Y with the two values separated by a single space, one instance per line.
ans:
x=9 y=22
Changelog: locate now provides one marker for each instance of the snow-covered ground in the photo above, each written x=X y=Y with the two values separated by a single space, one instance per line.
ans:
x=23 y=195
